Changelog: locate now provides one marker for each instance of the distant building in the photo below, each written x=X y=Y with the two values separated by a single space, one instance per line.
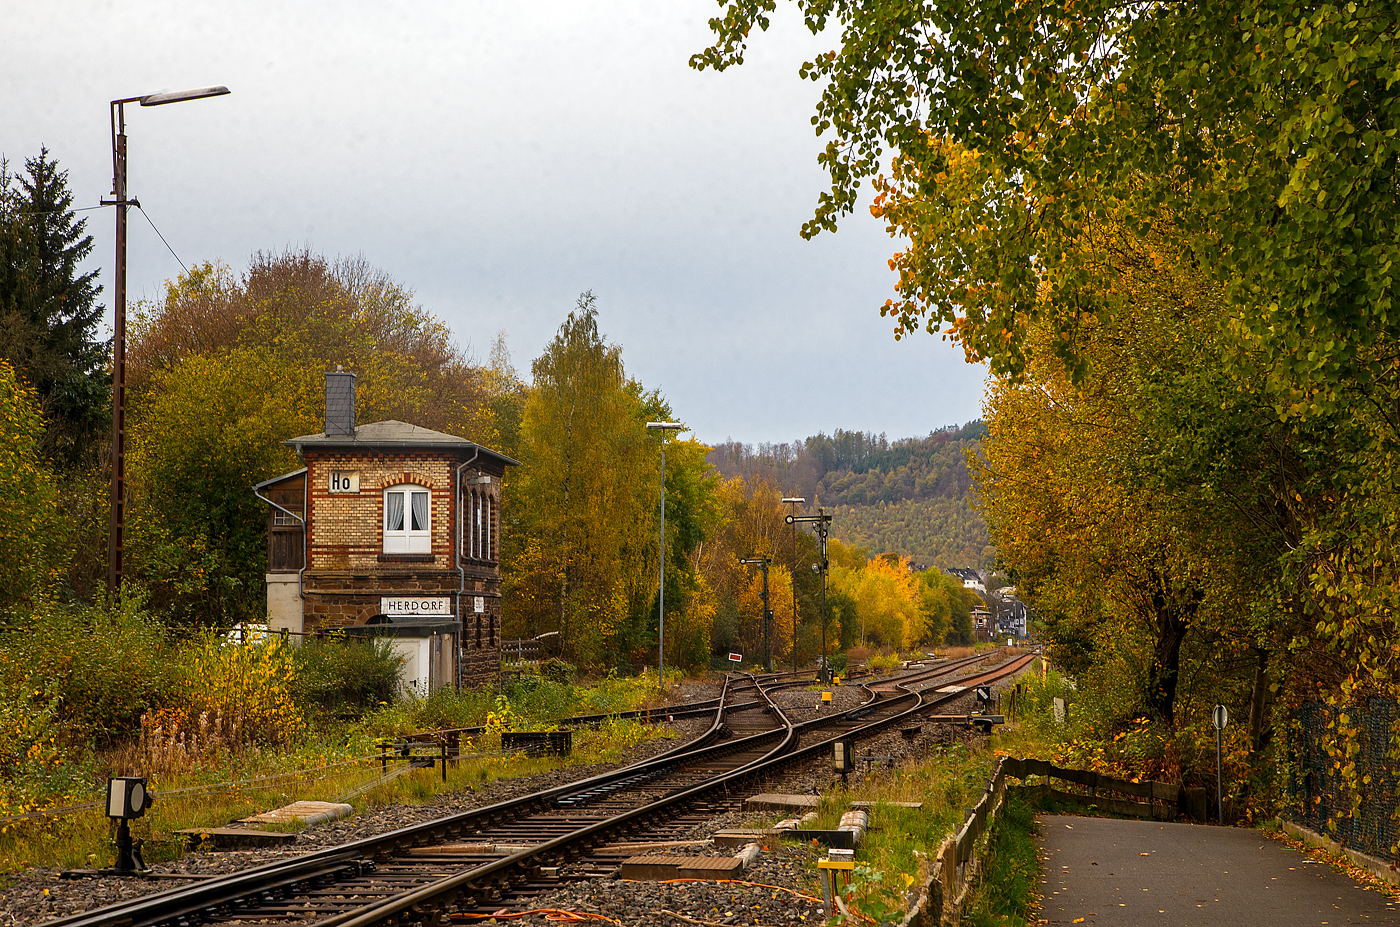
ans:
x=390 y=529
x=971 y=579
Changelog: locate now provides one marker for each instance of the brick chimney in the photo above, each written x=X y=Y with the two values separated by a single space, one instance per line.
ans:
x=340 y=402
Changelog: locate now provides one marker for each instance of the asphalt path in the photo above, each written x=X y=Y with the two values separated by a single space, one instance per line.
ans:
x=1110 y=873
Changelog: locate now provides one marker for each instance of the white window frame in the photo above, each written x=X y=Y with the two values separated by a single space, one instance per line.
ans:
x=407 y=539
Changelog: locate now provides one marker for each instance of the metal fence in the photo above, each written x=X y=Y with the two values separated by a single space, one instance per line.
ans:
x=1322 y=799
x=522 y=653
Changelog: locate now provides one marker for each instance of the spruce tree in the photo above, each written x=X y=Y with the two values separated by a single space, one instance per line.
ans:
x=49 y=311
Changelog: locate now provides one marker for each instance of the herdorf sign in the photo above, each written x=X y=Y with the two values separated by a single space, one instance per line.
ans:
x=399 y=607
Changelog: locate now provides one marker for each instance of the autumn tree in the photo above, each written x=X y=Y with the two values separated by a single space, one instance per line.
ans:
x=28 y=495
x=588 y=502
x=753 y=525
x=1267 y=130
x=1145 y=506
x=888 y=602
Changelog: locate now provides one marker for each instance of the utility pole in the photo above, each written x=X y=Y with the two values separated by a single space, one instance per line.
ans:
x=794 y=501
x=662 y=427
x=767 y=612
x=821 y=523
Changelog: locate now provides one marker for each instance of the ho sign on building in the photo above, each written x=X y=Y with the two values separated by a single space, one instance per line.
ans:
x=406 y=607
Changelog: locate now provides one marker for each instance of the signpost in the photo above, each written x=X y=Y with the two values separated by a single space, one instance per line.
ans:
x=1219 y=717
x=736 y=659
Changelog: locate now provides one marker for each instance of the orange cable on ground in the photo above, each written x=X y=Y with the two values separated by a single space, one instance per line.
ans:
x=550 y=914
x=780 y=888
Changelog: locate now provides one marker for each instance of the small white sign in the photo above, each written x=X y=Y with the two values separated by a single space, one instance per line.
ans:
x=345 y=481
x=479 y=602
x=406 y=607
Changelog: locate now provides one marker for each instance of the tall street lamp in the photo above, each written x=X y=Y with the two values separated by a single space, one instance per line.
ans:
x=767 y=612
x=116 y=537
x=663 y=427
x=794 y=501
x=821 y=523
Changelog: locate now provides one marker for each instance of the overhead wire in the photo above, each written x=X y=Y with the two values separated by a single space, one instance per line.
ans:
x=137 y=204
x=133 y=202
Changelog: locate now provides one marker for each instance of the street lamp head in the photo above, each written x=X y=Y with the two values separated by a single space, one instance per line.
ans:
x=800 y=500
x=179 y=96
x=666 y=426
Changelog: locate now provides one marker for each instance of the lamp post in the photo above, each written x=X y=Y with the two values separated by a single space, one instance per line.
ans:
x=116 y=537
x=794 y=501
x=662 y=427
x=821 y=523
x=767 y=612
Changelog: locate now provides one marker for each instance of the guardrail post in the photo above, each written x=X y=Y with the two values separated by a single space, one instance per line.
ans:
x=443 y=745
x=383 y=758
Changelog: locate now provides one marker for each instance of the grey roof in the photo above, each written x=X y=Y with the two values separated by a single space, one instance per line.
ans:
x=392 y=434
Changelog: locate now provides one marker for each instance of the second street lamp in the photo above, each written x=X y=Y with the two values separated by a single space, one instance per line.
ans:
x=663 y=427
x=116 y=539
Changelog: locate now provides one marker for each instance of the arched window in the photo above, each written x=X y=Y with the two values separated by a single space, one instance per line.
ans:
x=407 y=520
x=486 y=553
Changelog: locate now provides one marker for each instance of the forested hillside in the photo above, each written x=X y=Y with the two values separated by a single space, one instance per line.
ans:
x=911 y=497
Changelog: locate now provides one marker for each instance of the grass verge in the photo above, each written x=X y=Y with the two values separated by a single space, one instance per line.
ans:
x=214 y=796
x=1005 y=895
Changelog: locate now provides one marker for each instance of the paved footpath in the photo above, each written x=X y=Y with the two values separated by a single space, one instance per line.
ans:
x=1146 y=874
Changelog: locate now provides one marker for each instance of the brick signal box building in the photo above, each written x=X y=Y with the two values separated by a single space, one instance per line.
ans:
x=396 y=529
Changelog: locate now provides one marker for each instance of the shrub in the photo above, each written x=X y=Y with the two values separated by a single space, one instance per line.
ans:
x=345 y=677
x=544 y=699
x=616 y=693
x=856 y=656
x=884 y=663
x=445 y=708
x=557 y=670
x=240 y=694
x=35 y=768
x=105 y=667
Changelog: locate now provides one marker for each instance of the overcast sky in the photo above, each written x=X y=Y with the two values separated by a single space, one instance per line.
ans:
x=499 y=158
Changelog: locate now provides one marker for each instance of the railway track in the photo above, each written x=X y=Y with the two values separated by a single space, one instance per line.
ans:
x=490 y=858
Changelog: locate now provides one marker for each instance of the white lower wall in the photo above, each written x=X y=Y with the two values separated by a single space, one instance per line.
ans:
x=284 y=605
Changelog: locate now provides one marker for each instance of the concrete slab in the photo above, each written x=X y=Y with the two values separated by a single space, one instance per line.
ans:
x=776 y=802
x=305 y=812
x=1115 y=873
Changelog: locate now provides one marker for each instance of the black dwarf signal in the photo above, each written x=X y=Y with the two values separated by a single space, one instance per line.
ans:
x=127 y=799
